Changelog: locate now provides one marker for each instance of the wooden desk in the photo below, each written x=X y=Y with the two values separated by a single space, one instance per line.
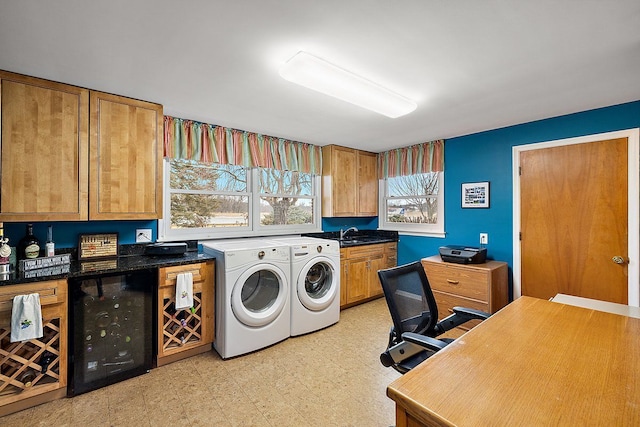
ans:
x=535 y=362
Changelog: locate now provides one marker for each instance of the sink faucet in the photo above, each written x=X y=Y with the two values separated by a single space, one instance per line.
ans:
x=344 y=233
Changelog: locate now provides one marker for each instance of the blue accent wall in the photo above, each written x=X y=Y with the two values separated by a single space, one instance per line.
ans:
x=487 y=156
x=362 y=223
x=65 y=234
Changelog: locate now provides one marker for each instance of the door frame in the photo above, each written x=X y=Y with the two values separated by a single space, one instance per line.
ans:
x=633 y=190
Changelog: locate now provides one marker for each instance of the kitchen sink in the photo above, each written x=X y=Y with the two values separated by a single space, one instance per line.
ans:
x=359 y=240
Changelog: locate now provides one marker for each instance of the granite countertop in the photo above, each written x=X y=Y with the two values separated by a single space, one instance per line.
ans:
x=359 y=238
x=120 y=264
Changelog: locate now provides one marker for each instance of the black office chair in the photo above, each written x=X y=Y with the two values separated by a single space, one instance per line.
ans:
x=413 y=336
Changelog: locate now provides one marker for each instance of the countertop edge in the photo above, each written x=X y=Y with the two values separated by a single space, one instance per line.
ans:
x=79 y=269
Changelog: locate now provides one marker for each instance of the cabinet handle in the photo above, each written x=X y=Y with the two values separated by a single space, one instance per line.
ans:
x=453 y=282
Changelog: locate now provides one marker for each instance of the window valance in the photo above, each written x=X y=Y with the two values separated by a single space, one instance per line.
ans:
x=188 y=139
x=419 y=158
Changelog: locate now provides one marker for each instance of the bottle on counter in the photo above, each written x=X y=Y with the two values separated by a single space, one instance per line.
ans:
x=50 y=247
x=5 y=251
x=29 y=245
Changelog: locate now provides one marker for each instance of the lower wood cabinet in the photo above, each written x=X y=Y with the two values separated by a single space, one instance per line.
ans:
x=359 y=271
x=480 y=286
x=34 y=371
x=186 y=332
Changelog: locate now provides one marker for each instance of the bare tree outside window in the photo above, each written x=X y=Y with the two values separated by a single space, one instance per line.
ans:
x=208 y=195
x=413 y=198
x=285 y=197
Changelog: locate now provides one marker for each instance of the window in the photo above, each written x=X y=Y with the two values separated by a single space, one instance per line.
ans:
x=210 y=200
x=413 y=203
x=286 y=198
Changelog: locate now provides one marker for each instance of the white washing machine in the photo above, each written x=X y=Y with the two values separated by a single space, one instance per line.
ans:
x=315 y=283
x=252 y=294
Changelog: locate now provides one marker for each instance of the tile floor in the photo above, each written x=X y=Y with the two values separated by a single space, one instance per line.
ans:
x=329 y=378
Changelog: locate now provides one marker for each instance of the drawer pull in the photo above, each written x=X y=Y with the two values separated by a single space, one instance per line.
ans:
x=453 y=282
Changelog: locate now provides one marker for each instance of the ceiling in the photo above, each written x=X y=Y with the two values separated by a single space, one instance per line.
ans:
x=470 y=65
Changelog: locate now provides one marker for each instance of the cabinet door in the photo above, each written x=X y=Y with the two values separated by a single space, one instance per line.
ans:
x=357 y=279
x=367 y=184
x=344 y=276
x=374 y=287
x=44 y=150
x=126 y=158
x=339 y=188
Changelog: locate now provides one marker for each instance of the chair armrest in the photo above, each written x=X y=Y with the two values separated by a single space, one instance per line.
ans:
x=461 y=315
x=410 y=345
x=424 y=341
x=472 y=313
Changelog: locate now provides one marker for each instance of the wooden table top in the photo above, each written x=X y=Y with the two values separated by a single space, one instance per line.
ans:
x=535 y=362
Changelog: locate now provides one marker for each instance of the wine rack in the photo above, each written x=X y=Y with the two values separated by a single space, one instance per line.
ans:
x=184 y=333
x=34 y=371
x=22 y=366
x=183 y=327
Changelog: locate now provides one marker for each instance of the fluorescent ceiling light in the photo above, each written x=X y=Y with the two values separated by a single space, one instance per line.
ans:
x=317 y=74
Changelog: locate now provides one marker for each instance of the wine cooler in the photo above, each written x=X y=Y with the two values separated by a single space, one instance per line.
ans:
x=111 y=328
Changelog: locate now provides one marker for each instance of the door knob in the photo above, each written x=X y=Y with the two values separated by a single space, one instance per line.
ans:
x=618 y=259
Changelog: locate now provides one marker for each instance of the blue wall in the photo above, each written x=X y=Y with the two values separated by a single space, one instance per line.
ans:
x=65 y=234
x=486 y=156
x=363 y=223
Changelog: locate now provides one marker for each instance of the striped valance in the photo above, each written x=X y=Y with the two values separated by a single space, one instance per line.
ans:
x=188 y=139
x=419 y=158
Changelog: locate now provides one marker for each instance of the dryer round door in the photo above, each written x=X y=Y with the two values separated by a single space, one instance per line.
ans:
x=259 y=295
x=317 y=284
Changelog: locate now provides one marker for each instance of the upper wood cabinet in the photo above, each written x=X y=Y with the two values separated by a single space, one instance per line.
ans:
x=125 y=180
x=71 y=154
x=44 y=150
x=349 y=182
x=367 y=184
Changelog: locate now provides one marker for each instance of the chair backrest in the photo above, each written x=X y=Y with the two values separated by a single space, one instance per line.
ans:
x=411 y=302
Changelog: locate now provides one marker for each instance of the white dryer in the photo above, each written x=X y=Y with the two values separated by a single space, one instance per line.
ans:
x=252 y=294
x=315 y=283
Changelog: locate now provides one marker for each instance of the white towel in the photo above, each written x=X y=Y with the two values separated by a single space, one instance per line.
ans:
x=26 y=318
x=184 y=291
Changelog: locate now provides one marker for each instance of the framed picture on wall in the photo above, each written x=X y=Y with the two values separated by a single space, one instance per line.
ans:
x=475 y=194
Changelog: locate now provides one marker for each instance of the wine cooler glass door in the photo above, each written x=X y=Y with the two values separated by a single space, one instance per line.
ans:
x=111 y=332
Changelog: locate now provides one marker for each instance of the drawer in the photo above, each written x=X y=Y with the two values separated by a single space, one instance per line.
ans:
x=49 y=312
x=51 y=292
x=167 y=275
x=459 y=281
x=364 y=250
x=391 y=248
x=446 y=302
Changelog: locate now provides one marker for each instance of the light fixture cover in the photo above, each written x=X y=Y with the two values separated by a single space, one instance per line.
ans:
x=315 y=73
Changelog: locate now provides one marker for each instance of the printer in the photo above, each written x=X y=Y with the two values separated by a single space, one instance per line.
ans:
x=463 y=254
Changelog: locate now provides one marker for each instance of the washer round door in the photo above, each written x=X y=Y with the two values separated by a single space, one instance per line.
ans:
x=317 y=284
x=259 y=295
